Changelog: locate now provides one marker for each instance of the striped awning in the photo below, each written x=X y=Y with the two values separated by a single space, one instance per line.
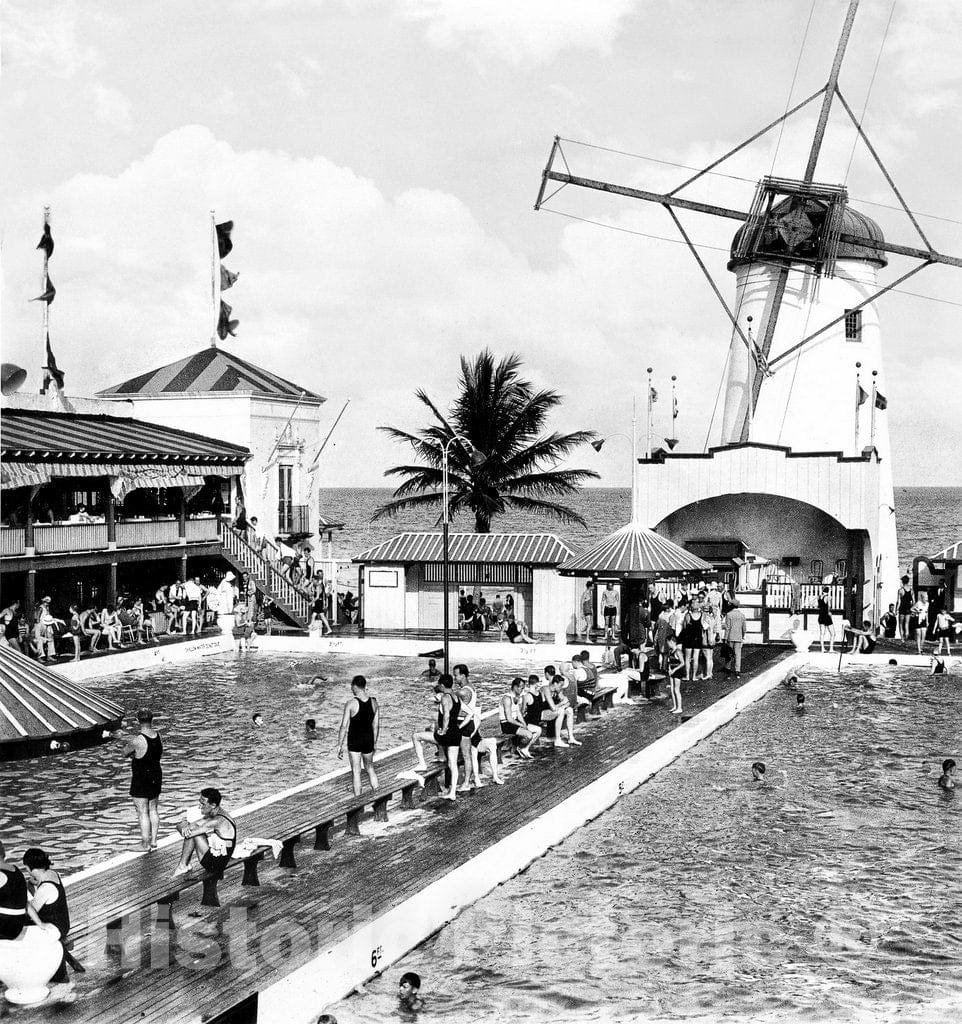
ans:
x=953 y=553
x=634 y=551
x=39 y=706
x=123 y=478
x=491 y=548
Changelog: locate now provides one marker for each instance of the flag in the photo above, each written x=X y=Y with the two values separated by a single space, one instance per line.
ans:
x=671 y=442
x=51 y=370
x=227 y=278
x=652 y=395
x=48 y=293
x=224 y=244
x=46 y=240
x=599 y=444
x=674 y=407
x=225 y=325
x=881 y=402
x=861 y=395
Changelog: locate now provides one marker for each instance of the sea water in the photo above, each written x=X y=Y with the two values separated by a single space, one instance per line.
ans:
x=830 y=892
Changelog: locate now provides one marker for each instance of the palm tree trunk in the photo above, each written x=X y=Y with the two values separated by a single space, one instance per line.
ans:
x=482 y=522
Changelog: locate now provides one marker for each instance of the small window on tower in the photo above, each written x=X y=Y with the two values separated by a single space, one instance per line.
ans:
x=853 y=325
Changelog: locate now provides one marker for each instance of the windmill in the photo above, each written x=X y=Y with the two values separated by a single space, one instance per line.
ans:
x=804 y=372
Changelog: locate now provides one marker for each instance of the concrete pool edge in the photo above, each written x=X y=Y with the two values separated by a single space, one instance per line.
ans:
x=377 y=943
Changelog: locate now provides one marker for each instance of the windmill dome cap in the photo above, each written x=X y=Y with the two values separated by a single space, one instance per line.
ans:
x=853 y=223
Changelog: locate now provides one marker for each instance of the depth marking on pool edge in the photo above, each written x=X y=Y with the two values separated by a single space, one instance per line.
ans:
x=336 y=971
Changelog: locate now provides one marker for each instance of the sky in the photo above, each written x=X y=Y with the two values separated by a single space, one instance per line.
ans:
x=380 y=161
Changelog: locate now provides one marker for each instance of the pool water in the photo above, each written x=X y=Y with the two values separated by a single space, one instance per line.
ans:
x=831 y=892
x=77 y=806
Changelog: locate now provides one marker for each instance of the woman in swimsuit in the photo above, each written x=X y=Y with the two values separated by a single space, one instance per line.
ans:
x=826 y=625
x=922 y=611
x=447 y=733
x=360 y=725
x=693 y=639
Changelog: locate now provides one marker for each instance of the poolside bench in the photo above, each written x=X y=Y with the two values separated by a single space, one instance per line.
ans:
x=600 y=697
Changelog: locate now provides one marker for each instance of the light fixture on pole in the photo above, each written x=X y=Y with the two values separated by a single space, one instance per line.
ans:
x=600 y=443
x=471 y=451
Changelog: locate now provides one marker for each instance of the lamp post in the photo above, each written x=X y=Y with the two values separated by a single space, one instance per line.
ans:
x=445 y=574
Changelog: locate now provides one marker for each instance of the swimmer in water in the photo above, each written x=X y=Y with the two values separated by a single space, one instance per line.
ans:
x=408 y=992
x=938 y=666
x=790 y=682
x=946 y=780
x=431 y=672
x=800 y=703
x=258 y=719
x=758 y=771
x=310 y=727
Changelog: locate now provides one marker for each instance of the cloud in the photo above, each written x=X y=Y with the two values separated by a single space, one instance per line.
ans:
x=525 y=33
x=44 y=37
x=113 y=108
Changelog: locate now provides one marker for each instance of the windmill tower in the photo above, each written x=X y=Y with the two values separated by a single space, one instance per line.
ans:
x=801 y=470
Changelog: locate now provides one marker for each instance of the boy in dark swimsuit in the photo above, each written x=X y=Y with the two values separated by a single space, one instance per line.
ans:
x=948 y=770
x=360 y=725
x=408 y=993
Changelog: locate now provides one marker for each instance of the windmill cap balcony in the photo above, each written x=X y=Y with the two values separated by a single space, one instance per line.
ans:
x=853 y=223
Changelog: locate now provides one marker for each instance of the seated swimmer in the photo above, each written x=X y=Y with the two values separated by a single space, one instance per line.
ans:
x=408 y=993
x=938 y=666
x=946 y=780
x=758 y=771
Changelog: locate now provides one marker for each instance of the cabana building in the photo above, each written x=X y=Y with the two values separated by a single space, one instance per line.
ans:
x=401 y=580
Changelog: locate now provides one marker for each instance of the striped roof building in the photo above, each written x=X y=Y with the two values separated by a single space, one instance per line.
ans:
x=634 y=551
x=211 y=370
x=503 y=548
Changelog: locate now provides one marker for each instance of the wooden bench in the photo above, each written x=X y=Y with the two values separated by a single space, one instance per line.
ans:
x=600 y=697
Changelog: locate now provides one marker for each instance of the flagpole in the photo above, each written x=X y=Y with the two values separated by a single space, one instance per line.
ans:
x=648 y=445
x=858 y=395
x=634 y=460
x=753 y=369
x=214 y=280
x=674 y=409
x=872 y=414
x=45 y=377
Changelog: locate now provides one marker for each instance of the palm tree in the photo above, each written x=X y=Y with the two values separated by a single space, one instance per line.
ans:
x=510 y=463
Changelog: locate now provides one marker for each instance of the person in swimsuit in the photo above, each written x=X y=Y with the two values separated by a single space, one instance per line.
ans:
x=826 y=624
x=938 y=666
x=539 y=708
x=609 y=608
x=675 y=673
x=758 y=771
x=211 y=840
x=409 y=993
x=946 y=780
x=693 y=638
x=863 y=640
x=905 y=599
x=922 y=613
x=473 y=744
x=15 y=909
x=10 y=617
x=49 y=900
x=944 y=628
x=360 y=726
x=432 y=671
x=512 y=722
x=144 y=749
x=445 y=734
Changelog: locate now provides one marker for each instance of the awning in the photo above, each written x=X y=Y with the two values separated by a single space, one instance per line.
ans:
x=42 y=712
x=488 y=548
x=634 y=552
x=123 y=479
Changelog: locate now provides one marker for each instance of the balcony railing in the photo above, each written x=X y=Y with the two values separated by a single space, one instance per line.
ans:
x=293 y=518
x=11 y=541
x=61 y=538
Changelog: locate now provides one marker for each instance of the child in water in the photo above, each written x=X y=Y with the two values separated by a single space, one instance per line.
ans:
x=946 y=780
x=408 y=993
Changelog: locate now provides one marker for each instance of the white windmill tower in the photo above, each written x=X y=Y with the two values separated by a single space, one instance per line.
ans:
x=801 y=468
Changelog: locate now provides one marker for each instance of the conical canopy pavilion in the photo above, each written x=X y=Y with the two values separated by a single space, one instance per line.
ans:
x=41 y=712
x=634 y=552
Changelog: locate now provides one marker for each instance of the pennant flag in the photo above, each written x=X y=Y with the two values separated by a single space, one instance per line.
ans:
x=861 y=395
x=599 y=444
x=51 y=370
x=881 y=402
x=671 y=442
x=227 y=278
x=225 y=325
x=652 y=395
x=46 y=240
x=224 y=244
x=48 y=294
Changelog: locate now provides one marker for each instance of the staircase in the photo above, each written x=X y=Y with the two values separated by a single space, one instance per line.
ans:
x=290 y=600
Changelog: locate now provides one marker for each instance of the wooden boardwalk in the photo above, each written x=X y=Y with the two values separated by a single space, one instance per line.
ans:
x=207 y=964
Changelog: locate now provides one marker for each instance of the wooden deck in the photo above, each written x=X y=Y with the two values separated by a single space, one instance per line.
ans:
x=205 y=965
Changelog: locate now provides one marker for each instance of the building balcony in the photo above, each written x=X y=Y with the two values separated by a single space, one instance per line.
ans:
x=69 y=538
x=293 y=518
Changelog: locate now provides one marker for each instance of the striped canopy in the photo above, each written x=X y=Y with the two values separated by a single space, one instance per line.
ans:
x=42 y=712
x=634 y=552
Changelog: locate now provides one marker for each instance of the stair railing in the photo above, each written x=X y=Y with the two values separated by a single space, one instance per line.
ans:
x=298 y=600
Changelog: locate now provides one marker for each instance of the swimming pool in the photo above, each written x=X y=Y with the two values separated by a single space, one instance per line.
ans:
x=77 y=806
x=830 y=892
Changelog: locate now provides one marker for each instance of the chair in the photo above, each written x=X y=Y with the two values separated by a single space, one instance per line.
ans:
x=127 y=631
